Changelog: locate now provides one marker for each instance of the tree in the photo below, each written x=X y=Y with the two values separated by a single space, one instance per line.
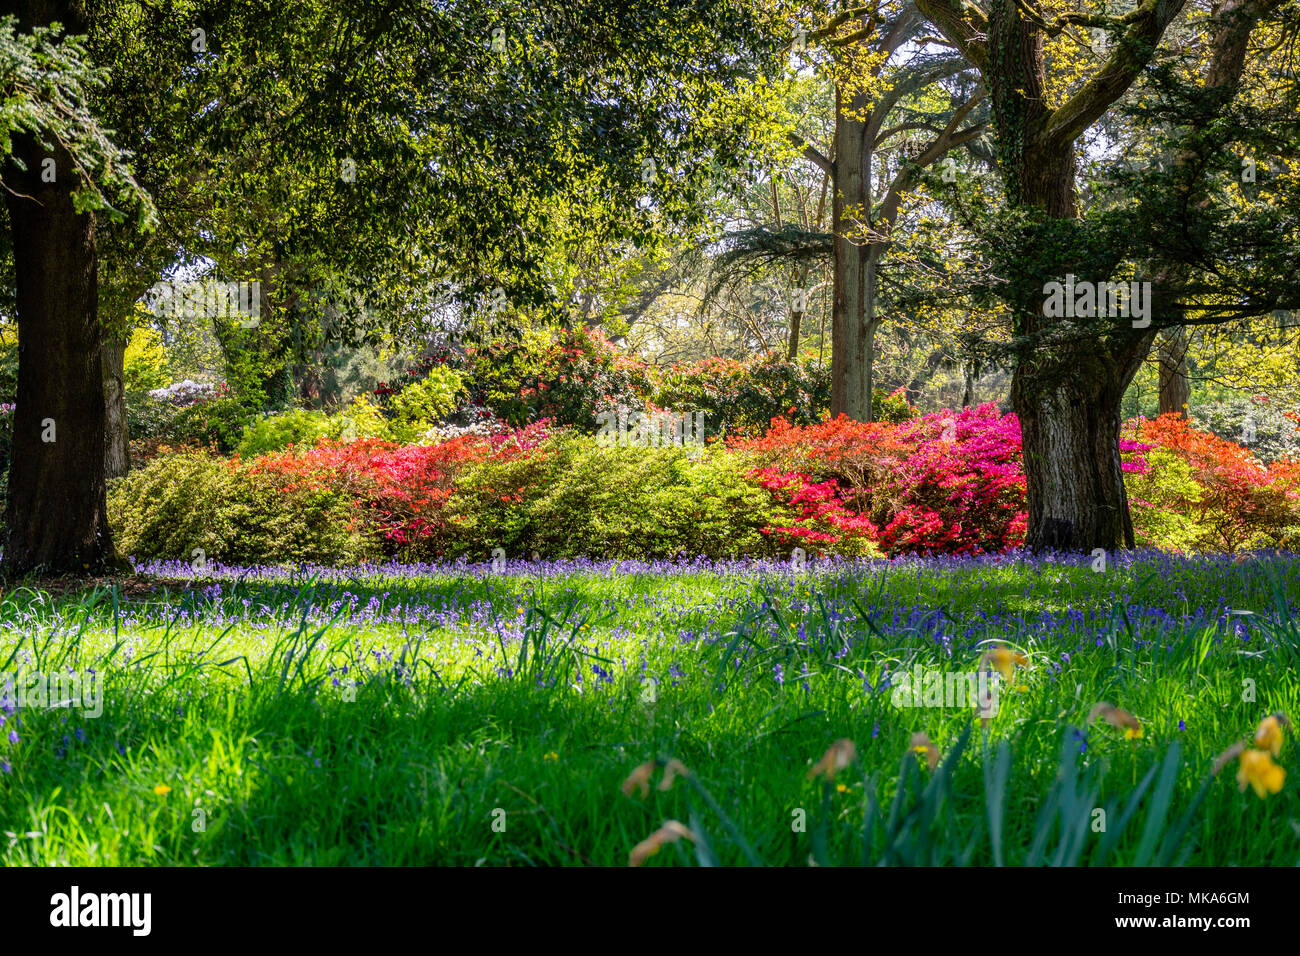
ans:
x=1070 y=376
x=427 y=143
x=868 y=91
x=61 y=167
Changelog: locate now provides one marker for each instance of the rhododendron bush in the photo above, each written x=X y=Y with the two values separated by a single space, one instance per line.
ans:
x=1198 y=491
x=403 y=489
x=945 y=483
x=950 y=482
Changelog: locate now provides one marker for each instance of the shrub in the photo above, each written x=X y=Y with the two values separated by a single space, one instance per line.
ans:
x=950 y=482
x=218 y=423
x=1270 y=432
x=572 y=497
x=1237 y=502
x=192 y=499
x=424 y=403
x=561 y=375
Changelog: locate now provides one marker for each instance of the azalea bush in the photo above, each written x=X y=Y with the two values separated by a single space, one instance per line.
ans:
x=1228 y=499
x=950 y=482
x=573 y=497
x=193 y=505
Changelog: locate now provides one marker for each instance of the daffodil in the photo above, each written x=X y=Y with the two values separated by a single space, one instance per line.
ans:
x=1005 y=661
x=1269 y=735
x=639 y=779
x=1259 y=771
x=922 y=745
x=838 y=756
x=1117 y=717
x=670 y=832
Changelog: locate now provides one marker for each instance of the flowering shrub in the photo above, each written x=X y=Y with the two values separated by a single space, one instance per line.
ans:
x=188 y=500
x=575 y=498
x=1227 y=498
x=402 y=489
x=950 y=482
x=561 y=375
x=184 y=394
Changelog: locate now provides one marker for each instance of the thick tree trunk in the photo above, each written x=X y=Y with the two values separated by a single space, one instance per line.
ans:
x=1069 y=411
x=852 y=330
x=117 y=447
x=56 y=518
x=1174 y=389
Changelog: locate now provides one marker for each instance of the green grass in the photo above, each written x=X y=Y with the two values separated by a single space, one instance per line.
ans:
x=458 y=745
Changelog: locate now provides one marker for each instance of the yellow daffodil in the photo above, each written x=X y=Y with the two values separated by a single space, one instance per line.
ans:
x=838 y=756
x=670 y=832
x=1269 y=735
x=1259 y=771
x=1004 y=661
x=922 y=745
x=1116 y=717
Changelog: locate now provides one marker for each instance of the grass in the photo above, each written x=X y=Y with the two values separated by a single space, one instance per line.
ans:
x=452 y=715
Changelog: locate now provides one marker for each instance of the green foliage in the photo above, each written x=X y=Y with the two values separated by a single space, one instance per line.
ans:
x=423 y=404
x=218 y=423
x=191 y=499
x=565 y=375
x=144 y=364
x=1158 y=502
x=577 y=498
x=1269 y=432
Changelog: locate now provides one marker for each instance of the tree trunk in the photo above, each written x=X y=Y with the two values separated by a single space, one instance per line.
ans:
x=1174 y=389
x=56 y=518
x=852 y=332
x=117 y=447
x=1069 y=411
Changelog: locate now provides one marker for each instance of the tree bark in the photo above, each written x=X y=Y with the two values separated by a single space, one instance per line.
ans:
x=117 y=446
x=1174 y=389
x=56 y=518
x=851 y=322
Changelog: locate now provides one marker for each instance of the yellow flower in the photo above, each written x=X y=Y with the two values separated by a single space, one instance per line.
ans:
x=670 y=832
x=922 y=744
x=162 y=789
x=1269 y=735
x=1116 y=717
x=838 y=756
x=551 y=756
x=1259 y=771
x=841 y=788
x=1004 y=661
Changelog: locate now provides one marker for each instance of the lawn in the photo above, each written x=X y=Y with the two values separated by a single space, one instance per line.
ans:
x=562 y=712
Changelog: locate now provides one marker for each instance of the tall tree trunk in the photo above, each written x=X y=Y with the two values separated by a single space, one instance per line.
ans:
x=117 y=447
x=851 y=330
x=1174 y=389
x=56 y=516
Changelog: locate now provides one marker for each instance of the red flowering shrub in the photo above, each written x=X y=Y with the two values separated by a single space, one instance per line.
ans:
x=403 y=490
x=1227 y=499
x=951 y=482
